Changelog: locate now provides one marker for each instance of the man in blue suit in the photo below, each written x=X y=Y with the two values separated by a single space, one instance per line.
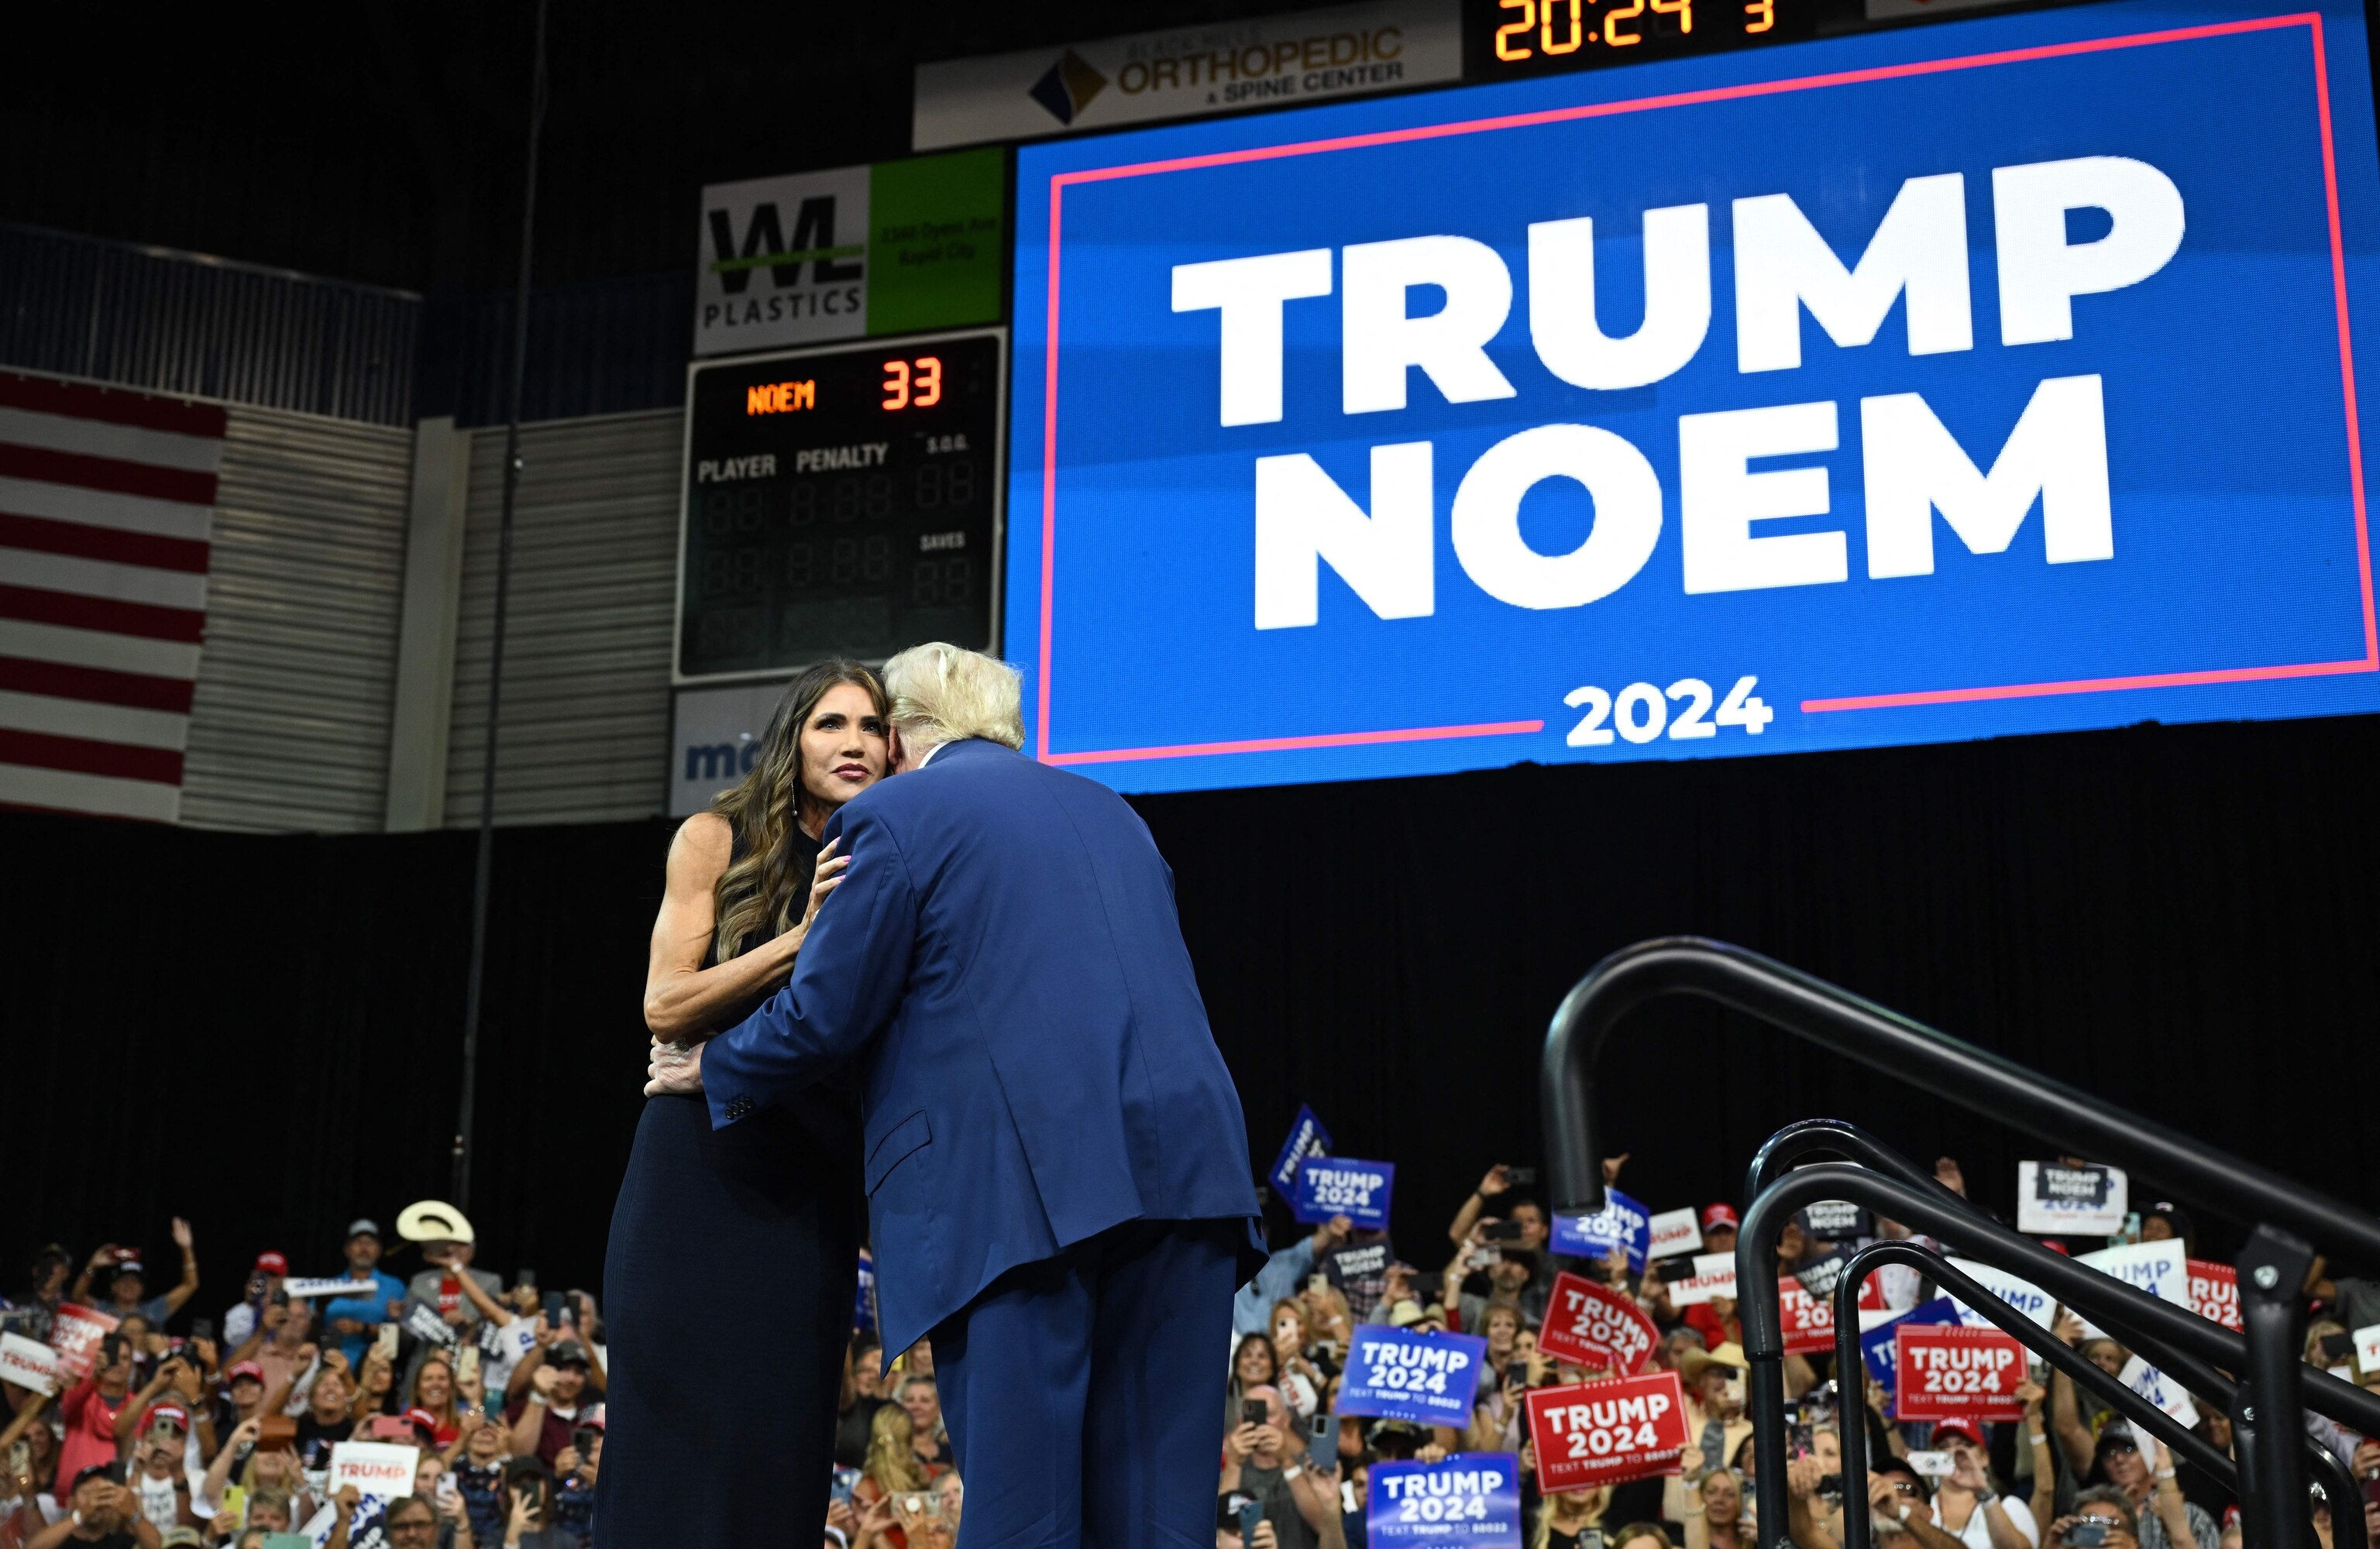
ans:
x=1056 y=1165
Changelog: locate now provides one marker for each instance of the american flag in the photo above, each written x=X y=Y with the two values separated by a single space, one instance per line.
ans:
x=106 y=502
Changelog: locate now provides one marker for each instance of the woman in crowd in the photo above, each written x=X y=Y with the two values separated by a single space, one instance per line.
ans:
x=1564 y=1518
x=891 y=1469
x=1968 y=1504
x=433 y=1394
x=1253 y=1365
x=1301 y=1381
x=1715 y=1517
x=717 y=1442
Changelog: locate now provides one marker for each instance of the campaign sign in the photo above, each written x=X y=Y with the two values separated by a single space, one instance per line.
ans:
x=2162 y=1269
x=2021 y=1294
x=1607 y=1432
x=1472 y=1499
x=75 y=1333
x=1394 y=1374
x=1809 y=1321
x=1588 y=1323
x=1836 y=1221
x=1674 y=1232
x=1328 y=1186
x=381 y=1468
x=2087 y=1201
x=2367 y=1348
x=1714 y=1275
x=329 y=1287
x=1952 y=1372
x=2158 y=1389
x=1307 y=1138
x=1928 y=385
x=1622 y=1222
x=31 y=1364
x=2215 y=1293
x=1880 y=1346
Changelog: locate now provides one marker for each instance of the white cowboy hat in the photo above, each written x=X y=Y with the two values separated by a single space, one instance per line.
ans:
x=434 y=1221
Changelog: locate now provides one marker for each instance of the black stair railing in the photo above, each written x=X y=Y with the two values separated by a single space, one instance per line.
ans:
x=1946 y=1067
x=2274 y=1382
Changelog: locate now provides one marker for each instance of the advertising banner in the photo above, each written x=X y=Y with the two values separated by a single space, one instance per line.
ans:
x=898 y=248
x=75 y=1333
x=1188 y=72
x=1588 y=1323
x=31 y=1364
x=2023 y=1295
x=2162 y=1269
x=1880 y=1346
x=2215 y=1292
x=1873 y=390
x=1607 y=1432
x=1674 y=1232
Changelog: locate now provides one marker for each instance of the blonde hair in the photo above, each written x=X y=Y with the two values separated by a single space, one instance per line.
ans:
x=892 y=1463
x=941 y=694
x=1589 y=1504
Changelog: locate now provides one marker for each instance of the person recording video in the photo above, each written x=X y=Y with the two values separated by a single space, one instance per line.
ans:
x=1265 y=1459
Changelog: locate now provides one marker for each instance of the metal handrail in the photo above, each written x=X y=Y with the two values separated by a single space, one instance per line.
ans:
x=1781 y=1152
x=1947 y=1067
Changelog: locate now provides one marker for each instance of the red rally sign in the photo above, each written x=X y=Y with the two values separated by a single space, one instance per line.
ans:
x=1809 y=1321
x=1951 y=1372
x=1607 y=1432
x=2215 y=1293
x=1590 y=1325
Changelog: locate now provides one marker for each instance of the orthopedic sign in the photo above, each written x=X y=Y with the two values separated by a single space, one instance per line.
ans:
x=1428 y=1378
x=1328 y=1186
x=1989 y=378
x=1605 y=1432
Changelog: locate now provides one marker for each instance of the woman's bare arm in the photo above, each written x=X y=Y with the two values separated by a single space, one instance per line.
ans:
x=685 y=1000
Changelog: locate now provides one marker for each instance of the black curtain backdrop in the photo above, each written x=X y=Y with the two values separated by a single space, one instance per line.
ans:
x=261 y=1033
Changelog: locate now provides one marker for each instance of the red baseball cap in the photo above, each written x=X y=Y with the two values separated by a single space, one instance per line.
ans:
x=1960 y=1429
x=1717 y=1215
x=168 y=1414
x=272 y=1264
x=422 y=1419
x=248 y=1369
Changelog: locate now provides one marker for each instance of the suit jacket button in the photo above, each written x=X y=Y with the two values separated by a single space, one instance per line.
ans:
x=740 y=1108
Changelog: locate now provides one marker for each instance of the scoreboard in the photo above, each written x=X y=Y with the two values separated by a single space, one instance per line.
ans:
x=840 y=502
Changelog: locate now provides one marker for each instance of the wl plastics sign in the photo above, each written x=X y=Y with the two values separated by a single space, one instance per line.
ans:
x=896 y=248
x=1190 y=72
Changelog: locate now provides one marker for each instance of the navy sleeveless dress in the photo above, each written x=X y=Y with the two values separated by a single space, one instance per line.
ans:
x=728 y=1287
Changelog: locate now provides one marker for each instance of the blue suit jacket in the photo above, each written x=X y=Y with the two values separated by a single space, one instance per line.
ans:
x=1004 y=961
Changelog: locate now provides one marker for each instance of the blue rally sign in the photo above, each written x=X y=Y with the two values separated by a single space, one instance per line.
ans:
x=1428 y=1378
x=1935 y=384
x=1328 y=1186
x=1472 y=1499
x=1307 y=1138
x=1877 y=1346
x=1622 y=1222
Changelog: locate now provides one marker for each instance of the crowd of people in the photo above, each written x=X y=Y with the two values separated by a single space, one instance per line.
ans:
x=186 y=1429
x=191 y=1430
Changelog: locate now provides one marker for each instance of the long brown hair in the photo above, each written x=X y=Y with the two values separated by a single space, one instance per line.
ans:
x=762 y=890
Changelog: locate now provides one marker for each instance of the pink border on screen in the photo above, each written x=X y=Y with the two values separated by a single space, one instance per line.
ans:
x=2369 y=661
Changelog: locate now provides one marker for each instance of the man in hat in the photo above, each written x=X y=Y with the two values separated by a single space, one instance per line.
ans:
x=544 y=1418
x=262 y=1281
x=353 y=1319
x=123 y=1281
x=161 y=1474
x=103 y=1514
x=447 y=1243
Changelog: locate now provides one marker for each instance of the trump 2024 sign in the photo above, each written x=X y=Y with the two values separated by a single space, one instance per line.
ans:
x=1994 y=377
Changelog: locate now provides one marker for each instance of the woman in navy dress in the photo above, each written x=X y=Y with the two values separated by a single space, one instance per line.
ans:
x=728 y=1281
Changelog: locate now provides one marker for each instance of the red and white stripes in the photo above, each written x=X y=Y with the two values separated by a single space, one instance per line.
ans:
x=106 y=502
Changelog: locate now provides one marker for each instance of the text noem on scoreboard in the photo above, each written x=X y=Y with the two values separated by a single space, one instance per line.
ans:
x=841 y=501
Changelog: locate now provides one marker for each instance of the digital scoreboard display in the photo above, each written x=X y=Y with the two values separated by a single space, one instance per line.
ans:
x=841 y=501
x=1989 y=377
x=1506 y=40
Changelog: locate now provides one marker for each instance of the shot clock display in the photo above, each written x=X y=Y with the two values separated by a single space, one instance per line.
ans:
x=840 y=502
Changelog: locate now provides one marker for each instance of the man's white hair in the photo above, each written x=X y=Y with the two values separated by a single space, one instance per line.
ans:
x=941 y=694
